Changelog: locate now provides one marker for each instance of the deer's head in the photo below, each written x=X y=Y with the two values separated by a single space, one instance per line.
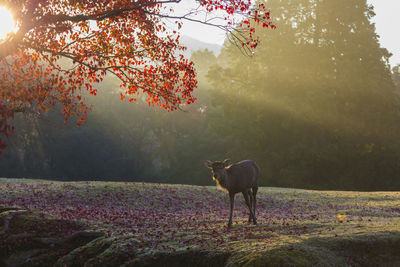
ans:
x=218 y=168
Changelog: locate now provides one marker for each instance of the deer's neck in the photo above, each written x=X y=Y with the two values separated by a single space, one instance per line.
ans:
x=221 y=183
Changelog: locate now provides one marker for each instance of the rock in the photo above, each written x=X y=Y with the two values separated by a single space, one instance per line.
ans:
x=83 y=237
x=9 y=217
x=20 y=257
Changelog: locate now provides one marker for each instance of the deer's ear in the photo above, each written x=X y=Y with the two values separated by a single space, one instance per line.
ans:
x=226 y=162
x=208 y=163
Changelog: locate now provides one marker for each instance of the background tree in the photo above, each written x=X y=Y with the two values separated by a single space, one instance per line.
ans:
x=128 y=142
x=304 y=107
x=316 y=106
x=396 y=77
x=128 y=39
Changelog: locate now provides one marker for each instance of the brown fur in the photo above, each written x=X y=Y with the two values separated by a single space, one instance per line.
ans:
x=219 y=186
x=235 y=178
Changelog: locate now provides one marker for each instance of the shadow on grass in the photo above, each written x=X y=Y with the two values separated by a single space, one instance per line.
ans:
x=35 y=240
x=378 y=249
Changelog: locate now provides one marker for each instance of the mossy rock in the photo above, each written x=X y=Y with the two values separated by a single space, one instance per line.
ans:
x=286 y=256
x=83 y=254
x=3 y=209
x=181 y=259
x=42 y=226
x=379 y=249
x=33 y=239
x=36 y=258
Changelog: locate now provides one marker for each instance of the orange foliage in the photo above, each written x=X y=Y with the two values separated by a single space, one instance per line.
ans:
x=125 y=38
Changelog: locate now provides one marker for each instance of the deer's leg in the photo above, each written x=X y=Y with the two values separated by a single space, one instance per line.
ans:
x=255 y=189
x=251 y=202
x=232 y=200
x=246 y=198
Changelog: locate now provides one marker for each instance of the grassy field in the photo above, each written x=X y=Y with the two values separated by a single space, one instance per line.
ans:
x=143 y=224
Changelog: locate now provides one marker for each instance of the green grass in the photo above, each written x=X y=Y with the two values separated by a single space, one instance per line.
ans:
x=165 y=225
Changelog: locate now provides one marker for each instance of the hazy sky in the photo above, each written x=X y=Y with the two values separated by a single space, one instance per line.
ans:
x=387 y=21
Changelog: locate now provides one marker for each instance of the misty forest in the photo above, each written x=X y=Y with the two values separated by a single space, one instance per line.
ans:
x=314 y=102
x=316 y=106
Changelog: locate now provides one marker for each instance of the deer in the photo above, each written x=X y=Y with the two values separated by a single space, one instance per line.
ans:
x=239 y=177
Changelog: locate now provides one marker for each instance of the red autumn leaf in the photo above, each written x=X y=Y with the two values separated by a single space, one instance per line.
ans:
x=127 y=39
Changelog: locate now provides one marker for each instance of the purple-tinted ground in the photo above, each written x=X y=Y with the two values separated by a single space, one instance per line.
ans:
x=150 y=219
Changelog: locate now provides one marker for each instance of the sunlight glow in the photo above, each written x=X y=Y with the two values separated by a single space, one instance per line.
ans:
x=7 y=23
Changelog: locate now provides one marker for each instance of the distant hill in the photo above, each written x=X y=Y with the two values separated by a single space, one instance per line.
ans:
x=194 y=45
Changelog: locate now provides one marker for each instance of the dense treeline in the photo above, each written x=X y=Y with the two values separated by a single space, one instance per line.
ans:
x=121 y=141
x=317 y=106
